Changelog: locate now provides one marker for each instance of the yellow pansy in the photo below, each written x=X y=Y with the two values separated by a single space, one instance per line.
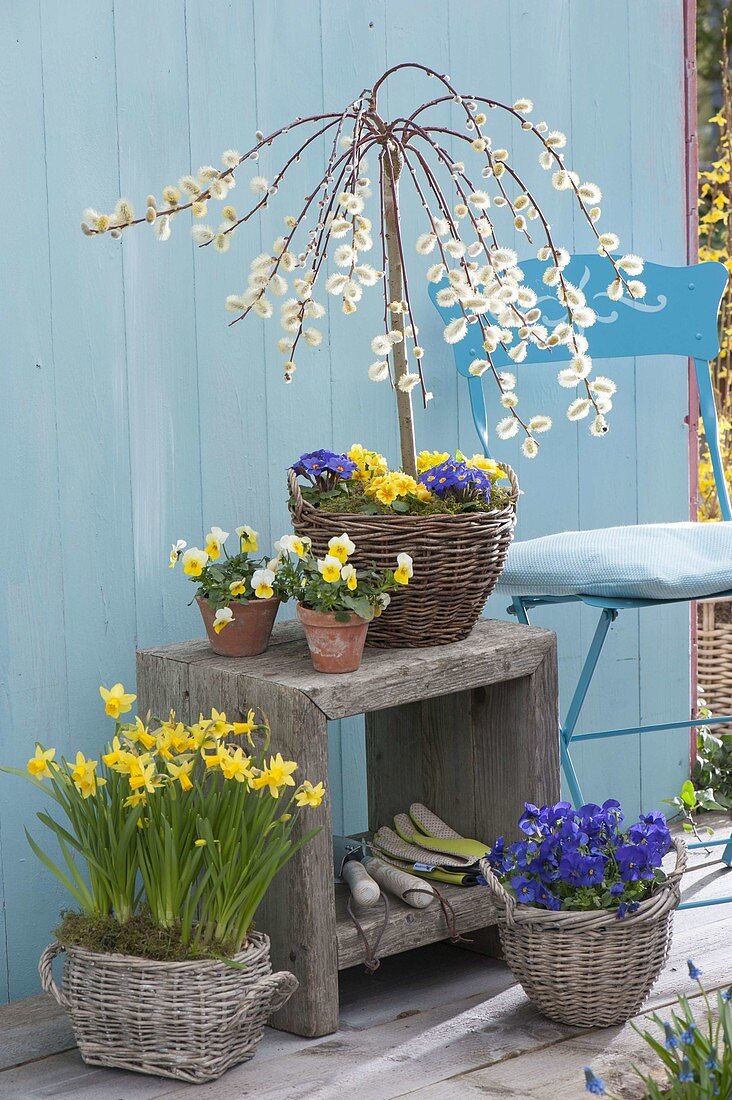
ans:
x=38 y=765
x=293 y=544
x=341 y=547
x=116 y=700
x=329 y=568
x=215 y=540
x=238 y=588
x=181 y=773
x=235 y=765
x=277 y=775
x=245 y=729
x=404 y=570
x=194 y=562
x=84 y=776
x=248 y=539
x=309 y=795
x=222 y=618
x=348 y=574
x=176 y=551
x=262 y=581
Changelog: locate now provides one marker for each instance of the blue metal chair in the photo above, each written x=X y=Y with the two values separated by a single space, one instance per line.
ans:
x=677 y=317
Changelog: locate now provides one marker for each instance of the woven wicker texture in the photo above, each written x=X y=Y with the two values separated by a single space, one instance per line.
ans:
x=714 y=636
x=187 y=1020
x=588 y=969
x=457 y=561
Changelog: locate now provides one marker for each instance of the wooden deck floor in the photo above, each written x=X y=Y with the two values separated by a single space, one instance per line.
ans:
x=439 y=1023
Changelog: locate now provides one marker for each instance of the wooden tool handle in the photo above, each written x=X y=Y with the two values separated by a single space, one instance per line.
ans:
x=365 y=891
x=414 y=891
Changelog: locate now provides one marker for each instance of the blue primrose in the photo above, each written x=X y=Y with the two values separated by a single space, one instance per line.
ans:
x=320 y=463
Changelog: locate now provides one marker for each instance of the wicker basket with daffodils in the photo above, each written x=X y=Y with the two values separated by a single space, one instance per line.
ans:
x=167 y=846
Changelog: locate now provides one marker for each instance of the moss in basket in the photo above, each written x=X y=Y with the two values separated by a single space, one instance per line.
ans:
x=140 y=936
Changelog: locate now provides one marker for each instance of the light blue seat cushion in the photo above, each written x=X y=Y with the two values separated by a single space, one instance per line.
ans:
x=655 y=561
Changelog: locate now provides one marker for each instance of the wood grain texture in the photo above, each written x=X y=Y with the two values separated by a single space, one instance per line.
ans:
x=133 y=415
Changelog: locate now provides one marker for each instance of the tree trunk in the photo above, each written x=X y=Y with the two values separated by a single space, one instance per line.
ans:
x=390 y=169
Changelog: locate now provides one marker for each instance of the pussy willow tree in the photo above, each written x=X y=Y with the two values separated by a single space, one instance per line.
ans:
x=462 y=221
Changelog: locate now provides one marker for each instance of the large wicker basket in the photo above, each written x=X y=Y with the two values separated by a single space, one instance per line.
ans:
x=457 y=561
x=187 y=1020
x=714 y=637
x=588 y=969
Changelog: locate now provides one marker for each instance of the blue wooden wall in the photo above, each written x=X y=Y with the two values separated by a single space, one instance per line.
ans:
x=131 y=414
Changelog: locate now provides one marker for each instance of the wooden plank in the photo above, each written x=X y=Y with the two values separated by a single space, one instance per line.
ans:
x=33 y=1028
x=408 y=927
x=493 y=652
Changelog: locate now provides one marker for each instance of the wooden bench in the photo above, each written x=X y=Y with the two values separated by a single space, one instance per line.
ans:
x=470 y=729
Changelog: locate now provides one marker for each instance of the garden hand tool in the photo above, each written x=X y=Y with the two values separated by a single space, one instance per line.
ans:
x=409 y=888
x=348 y=854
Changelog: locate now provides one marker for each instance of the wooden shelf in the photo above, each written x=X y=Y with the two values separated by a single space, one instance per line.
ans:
x=408 y=927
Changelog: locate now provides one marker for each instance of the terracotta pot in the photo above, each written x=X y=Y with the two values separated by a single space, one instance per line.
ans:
x=334 y=646
x=248 y=632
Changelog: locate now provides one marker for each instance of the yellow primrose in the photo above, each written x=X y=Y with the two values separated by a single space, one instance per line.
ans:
x=182 y=773
x=194 y=562
x=176 y=551
x=427 y=459
x=39 y=765
x=329 y=568
x=404 y=570
x=215 y=539
x=348 y=574
x=84 y=776
x=235 y=765
x=487 y=465
x=245 y=729
x=238 y=588
x=309 y=795
x=248 y=539
x=116 y=700
x=222 y=618
x=262 y=581
x=277 y=775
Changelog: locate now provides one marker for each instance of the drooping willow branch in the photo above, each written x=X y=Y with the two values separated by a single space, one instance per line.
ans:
x=480 y=275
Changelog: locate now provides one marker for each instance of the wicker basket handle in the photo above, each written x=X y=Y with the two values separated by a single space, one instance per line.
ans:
x=297 y=502
x=45 y=969
x=513 y=482
x=269 y=993
x=682 y=854
x=500 y=895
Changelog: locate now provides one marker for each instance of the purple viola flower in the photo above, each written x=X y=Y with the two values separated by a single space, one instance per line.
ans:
x=529 y=818
x=526 y=889
x=633 y=863
x=577 y=869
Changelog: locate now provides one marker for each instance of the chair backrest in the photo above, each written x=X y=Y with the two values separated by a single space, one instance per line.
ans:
x=678 y=316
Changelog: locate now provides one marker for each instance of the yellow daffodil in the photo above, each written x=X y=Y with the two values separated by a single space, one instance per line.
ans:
x=39 y=764
x=142 y=775
x=348 y=574
x=182 y=773
x=84 y=777
x=329 y=568
x=213 y=760
x=238 y=588
x=277 y=775
x=140 y=733
x=194 y=562
x=404 y=570
x=245 y=729
x=139 y=798
x=309 y=795
x=248 y=539
x=222 y=618
x=215 y=540
x=262 y=581
x=341 y=547
x=116 y=700
x=176 y=551
x=235 y=765
x=118 y=757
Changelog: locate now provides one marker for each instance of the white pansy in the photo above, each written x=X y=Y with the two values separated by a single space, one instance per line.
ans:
x=222 y=618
